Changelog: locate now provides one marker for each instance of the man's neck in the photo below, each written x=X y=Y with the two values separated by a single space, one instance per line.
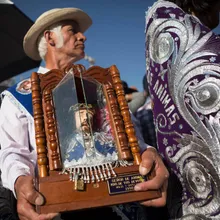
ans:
x=54 y=62
x=57 y=65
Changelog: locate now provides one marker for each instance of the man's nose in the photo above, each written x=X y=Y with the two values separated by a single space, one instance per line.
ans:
x=83 y=119
x=81 y=37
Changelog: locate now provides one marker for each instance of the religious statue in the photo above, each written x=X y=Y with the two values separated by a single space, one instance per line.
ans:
x=87 y=149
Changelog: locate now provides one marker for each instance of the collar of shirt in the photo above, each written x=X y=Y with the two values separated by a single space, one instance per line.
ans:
x=42 y=70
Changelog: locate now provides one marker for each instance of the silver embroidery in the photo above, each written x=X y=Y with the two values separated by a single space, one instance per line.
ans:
x=205 y=96
x=198 y=155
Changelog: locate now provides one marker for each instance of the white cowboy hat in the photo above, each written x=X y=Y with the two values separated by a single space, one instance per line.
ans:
x=47 y=19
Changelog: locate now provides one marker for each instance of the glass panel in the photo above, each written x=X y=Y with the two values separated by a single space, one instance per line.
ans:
x=84 y=129
x=64 y=96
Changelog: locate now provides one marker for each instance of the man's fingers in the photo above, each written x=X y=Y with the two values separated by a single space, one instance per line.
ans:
x=159 y=202
x=35 y=197
x=32 y=195
x=152 y=161
x=26 y=209
x=156 y=182
x=147 y=162
x=146 y=166
x=25 y=189
x=150 y=158
x=21 y=217
x=27 y=196
x=49 y=216
x=153 y=184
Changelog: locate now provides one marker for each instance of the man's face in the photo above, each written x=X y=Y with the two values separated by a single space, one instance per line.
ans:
x=83 y=119
x=27 y=85
x=73 y=41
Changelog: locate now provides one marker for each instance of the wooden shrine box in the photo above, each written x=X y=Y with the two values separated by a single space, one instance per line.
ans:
x=86 y=186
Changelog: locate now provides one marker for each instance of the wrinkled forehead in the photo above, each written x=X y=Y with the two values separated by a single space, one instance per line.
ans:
x=71 y=23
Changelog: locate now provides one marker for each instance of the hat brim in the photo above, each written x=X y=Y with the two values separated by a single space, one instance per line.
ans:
x=75 y=14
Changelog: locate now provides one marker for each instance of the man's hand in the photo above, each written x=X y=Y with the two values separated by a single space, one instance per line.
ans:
x=151 y=159
x=27 y=196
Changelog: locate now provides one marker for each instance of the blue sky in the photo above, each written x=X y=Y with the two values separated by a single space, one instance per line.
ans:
x=116 y=36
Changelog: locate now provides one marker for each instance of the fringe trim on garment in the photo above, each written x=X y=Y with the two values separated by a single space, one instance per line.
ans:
x=94 y=173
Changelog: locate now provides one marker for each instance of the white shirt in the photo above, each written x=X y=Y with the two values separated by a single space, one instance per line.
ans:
x=17 y=139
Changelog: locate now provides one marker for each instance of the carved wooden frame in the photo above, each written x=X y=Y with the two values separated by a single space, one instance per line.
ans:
x=49 y=158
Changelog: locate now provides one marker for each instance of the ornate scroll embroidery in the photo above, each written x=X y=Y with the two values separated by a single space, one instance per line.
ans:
x=184 y=53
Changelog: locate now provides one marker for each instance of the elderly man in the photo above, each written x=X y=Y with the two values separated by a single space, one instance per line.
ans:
x=57 y=38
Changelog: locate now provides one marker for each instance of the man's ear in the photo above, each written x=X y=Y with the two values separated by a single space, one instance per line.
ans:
x=49 y=37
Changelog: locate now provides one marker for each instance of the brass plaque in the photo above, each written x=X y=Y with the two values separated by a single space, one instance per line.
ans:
x=124 y=183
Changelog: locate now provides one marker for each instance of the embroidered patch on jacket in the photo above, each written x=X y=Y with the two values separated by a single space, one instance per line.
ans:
x=24 y=87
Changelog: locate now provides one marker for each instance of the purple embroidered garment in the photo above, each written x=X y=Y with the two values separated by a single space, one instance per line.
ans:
x=183 y=70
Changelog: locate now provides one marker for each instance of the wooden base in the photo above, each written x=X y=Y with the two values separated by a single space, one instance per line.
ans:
x=60 y=194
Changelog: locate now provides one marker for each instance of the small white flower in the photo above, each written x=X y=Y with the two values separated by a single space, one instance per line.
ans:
x=154 y=16
x=165 y=141
x=212 y=59
x=195 y=81
x=167 y=11
x=172 y=15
